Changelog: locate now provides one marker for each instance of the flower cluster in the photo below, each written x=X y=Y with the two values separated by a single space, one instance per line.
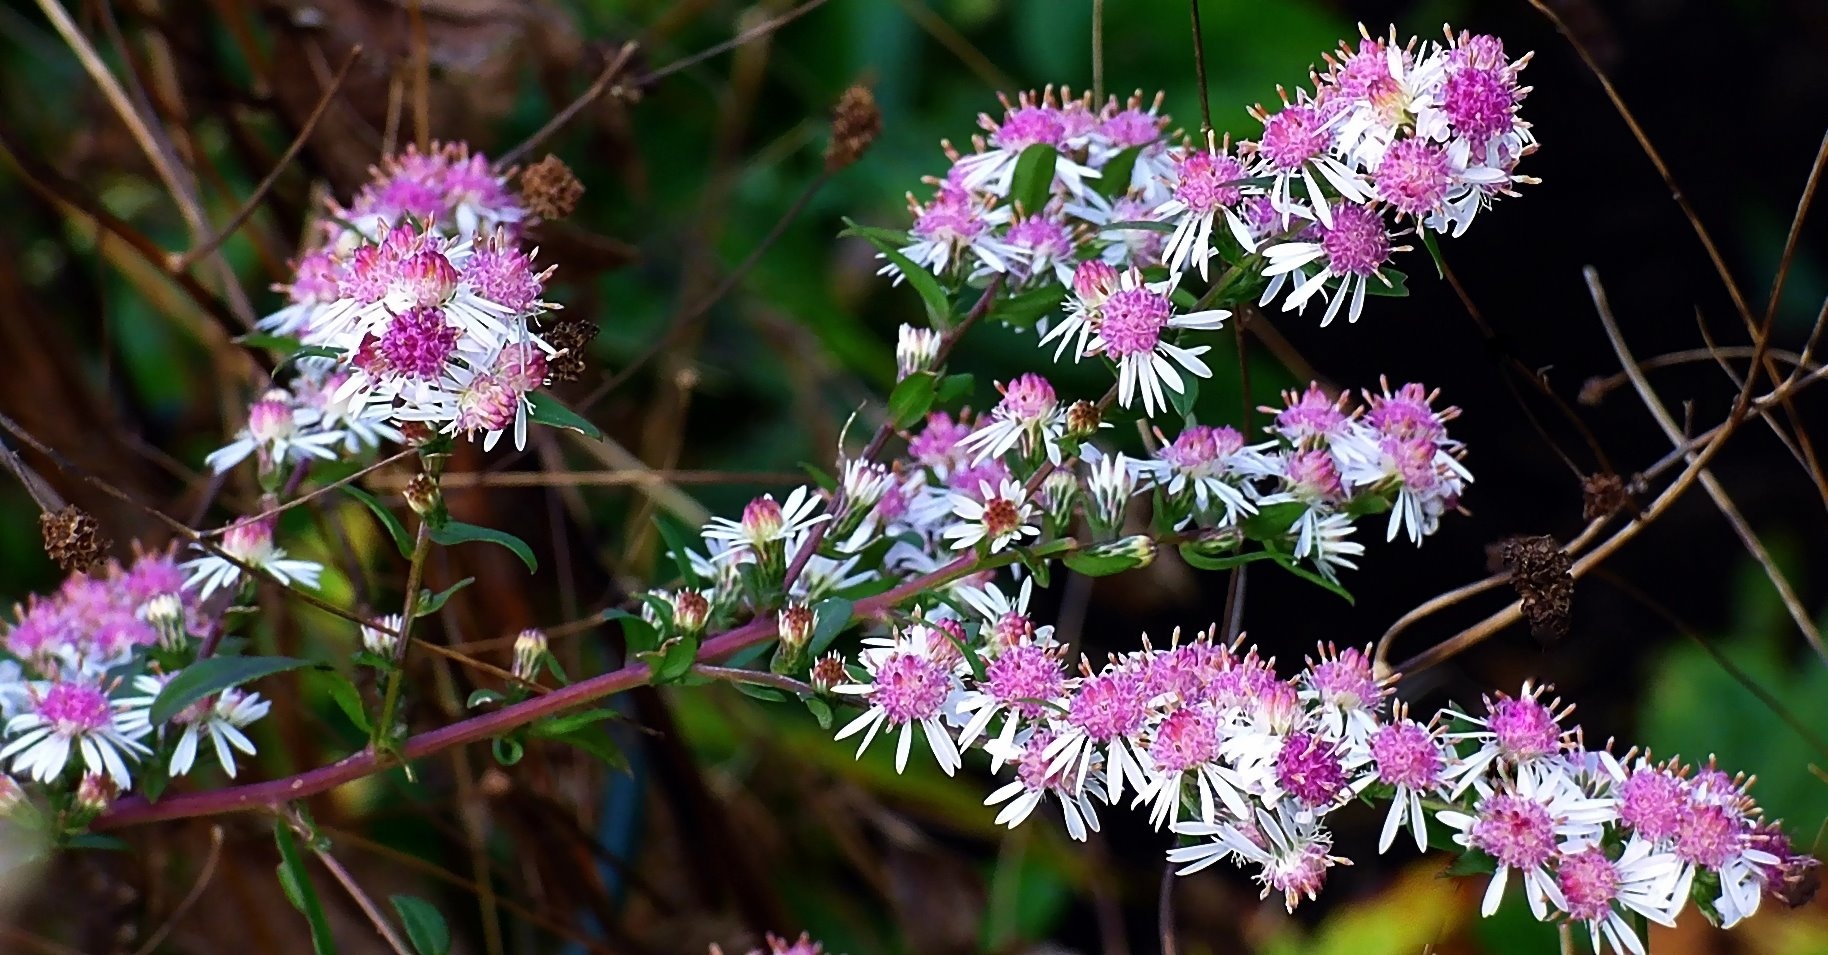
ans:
x=78 y=676
x=1247 y=766
x=420 y=305
x=1102 y=203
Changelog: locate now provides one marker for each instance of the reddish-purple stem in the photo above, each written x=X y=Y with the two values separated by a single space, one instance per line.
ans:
x=135 y=810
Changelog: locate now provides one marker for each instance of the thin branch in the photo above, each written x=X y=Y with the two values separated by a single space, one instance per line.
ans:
x=366 y=904
x=182 y=262
x=1097 y=51
x=321 y=491
x=753 y=33
x=615 y=478
x=190 y=898
x=1199 y=69
x=1722 y=500
x=597 y=88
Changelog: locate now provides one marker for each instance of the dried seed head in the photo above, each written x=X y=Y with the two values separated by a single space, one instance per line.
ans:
x=95 y=793
x=549 y=188
x=1603 y=495
x=1083 y=419
x=1539 y=572
x=570 y=336
x=855 y=124
x=72 y=537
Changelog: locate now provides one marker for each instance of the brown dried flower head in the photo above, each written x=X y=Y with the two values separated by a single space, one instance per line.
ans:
x=570 y=336
x=1539 y=573
x=1603 y=495
x=855 y=124
x=549 y=188
x=73 y=538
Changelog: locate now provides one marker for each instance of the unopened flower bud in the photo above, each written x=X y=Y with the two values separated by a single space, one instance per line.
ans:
x=165 y=613
x=795 y=624
x=1083 y=419
x=862 y=485
x=529 y=650
x=944 y=638
x=94 y=794
x=1059 y=491
x=762 y=520
x=1130 y=553
x=1093 y=281
x=382 y=636
x=424 y=497
x=829 y=672
x=855 y=124
x=691 y=611
x=916 y=350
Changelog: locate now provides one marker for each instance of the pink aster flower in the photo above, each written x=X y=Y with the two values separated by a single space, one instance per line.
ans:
x=1107 y=713
x=1515 y=733
x=1029 y=418
x=66 y=716
x=907 y=684
x=1208 y=188
x=1036 y=779
x=1298 y=144
x=996 y=517
x=1129 y=324
x=1350 y=251
x=1290 y=849
x=1602 y=891
x=1409 y=758
x=1030 y=121
x=1525 y=826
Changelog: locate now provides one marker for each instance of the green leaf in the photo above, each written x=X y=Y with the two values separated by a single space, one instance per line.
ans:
x=284 y=344
x=1433 y=246
x=97 y=841
x=1107 y=559
x=1023 y=310
x=638 y=636
x=556 y=726
x=820 y=710
x=402 y=538
x=1033 y=182
x=316 y=351
x=1114 y=176
x=430 y=603
x=912 y=398
x=834 y=614
x=1182 y=401
x=213 y=675
x=768 y=693
x=939 y=307
x=457 y=532
x=1195 y=557
x=1274 y=522
x=479 y=697
x=1142 y=225
x=678 y=540
x=425 y=927
x=507 y=750
x=1471 y=862
x=953 y=387
x=675 y=659
x=348 y=699
x=820 y=476
x=1398 y=287
x=549 y=411
x=296 y=884
x=1292 y=566
x=895 y=237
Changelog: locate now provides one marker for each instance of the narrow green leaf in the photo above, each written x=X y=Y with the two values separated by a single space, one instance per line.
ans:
x=457 y=532
x=819 y=475
x=550 y=411
x=507 y=750
x=953 y=387
x=1472 y=862
x=1182 y=401
x=556 y=726
x=596 y=741
x=402 y=539
x=912 y=398
x=1195 y=557
x=430 y=603
x=1294 y=567
x=939 y=307
x=1433 y=245
x=213 y=675
x=1025 y=309
x=638 y=636
x=296 y=883
x=347 y=698
x=760 y=692
x=676 y=660
x=895 y=237
x=284 y=344
x=425 y=927
x=834 y=614
x=1114 y=176
x=97 y=841
x=820 y=710
x=679 y=539
x=1398 y=287
x=1142 y=225
x=1033 y=182
x=480 y=697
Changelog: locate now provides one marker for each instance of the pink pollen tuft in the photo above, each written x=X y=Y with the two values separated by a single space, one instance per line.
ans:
x=1109 y=706
x=1133 y=322
x=1514 y=830
x=1523 y=728
x=1294 y=136
x=419 y=343
x=1309 y=769
x=1207 y=182
x=75 y=709
x=1358 y=243
x=1589 y=882
x=910 y=687
x=1414 y=176
x=1023 y=674
x=1406 y=755
x=1186 y=738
